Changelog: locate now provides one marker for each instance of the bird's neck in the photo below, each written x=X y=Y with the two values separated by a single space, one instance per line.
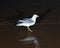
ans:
x=34 y=19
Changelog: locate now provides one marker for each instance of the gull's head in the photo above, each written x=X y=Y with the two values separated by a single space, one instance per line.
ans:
x=35 y=16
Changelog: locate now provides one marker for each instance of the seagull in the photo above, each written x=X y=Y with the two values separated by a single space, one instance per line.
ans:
x=27 y=22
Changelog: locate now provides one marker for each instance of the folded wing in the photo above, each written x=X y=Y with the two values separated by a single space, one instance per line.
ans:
x=26 y=20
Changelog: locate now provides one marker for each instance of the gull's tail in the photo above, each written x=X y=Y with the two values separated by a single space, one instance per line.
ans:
x=21 y=21
x=19 y=24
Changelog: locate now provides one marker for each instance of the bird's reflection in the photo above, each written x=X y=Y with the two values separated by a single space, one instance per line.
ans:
x=31 y=39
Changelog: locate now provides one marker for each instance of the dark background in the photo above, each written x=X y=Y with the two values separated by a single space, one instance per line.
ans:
x=47 y=28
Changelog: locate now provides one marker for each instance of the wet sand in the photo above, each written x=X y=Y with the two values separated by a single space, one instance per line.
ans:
x=46 y=31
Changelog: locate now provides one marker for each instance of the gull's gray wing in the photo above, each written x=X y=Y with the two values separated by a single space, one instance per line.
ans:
x=26 y=20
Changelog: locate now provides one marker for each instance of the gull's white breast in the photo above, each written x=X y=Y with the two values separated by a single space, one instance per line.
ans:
x=25 y=24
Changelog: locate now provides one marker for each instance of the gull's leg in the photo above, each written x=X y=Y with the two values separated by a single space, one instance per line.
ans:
x=29 y=32
x=29 y=29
